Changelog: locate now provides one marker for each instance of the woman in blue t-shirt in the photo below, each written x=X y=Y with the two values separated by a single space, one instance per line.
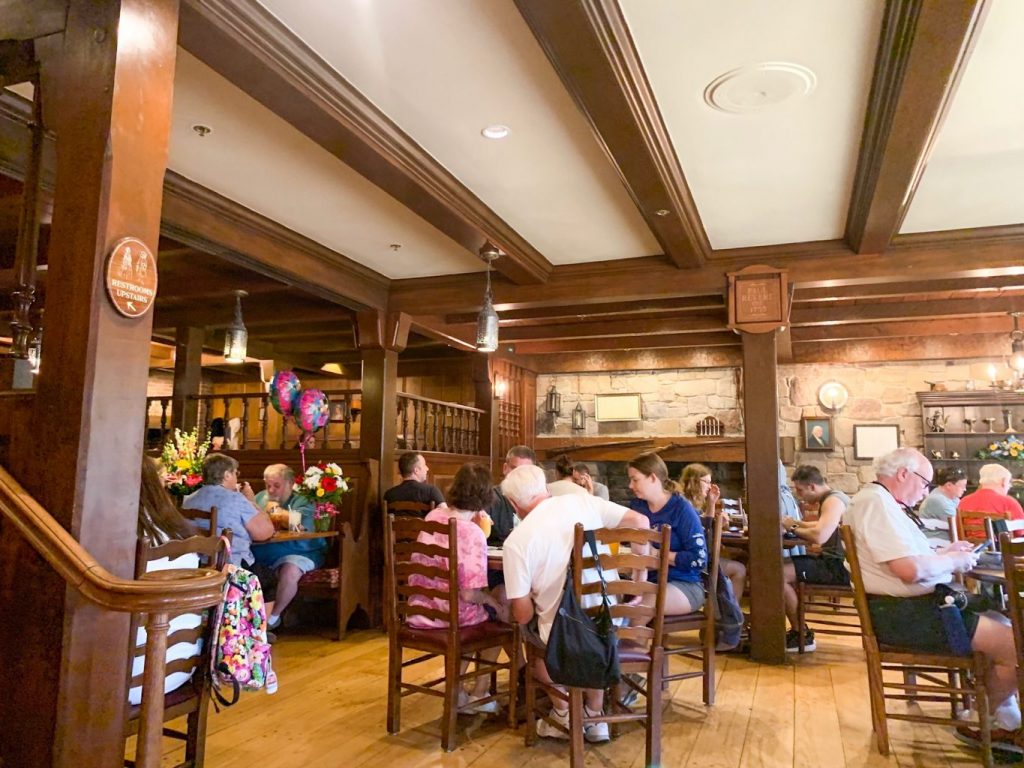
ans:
x=659 y=499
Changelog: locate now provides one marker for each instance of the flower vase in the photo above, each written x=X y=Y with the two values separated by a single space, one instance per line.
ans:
x=322 y=524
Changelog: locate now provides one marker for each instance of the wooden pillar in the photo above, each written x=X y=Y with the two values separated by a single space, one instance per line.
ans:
x=485 y=399
x=380 y=337
x=761 y=420
x=64 y=661
x=188 y=375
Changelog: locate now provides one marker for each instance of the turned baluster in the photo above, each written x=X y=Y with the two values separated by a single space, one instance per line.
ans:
x=434 y=443
x=264 y=402
x=164 y=403
x=403 y=407
x=348 y=423
x=243 y=437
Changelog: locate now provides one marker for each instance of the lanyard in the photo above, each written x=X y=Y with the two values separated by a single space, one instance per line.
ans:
x=907 y=510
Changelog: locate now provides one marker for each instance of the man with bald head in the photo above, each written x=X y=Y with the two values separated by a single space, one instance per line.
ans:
x=900 y=571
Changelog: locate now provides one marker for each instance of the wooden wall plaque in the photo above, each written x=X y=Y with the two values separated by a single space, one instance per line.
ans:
x=131 y=277
x=758 y=299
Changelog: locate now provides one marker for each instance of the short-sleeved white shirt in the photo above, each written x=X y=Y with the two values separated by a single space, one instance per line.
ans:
x=884 y=532
x=536 y=554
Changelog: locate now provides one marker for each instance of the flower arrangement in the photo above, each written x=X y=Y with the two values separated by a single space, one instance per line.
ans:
x=324 y=485
x=1011 y=449
x=182 y=458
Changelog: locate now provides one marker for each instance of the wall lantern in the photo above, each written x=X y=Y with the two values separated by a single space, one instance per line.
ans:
x=500 y=387
x=236 y=339
x=553 y=402
x=579 y=417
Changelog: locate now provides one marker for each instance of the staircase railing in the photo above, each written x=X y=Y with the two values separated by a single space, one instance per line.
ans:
x=159 y=595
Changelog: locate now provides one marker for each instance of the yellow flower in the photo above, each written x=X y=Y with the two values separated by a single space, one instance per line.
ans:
x=319 y=491
x=992 y=447
x=181 y=464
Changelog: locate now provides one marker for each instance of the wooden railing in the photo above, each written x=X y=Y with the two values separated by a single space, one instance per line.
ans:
x=159 y=595
x=423 y=424
x=434 y=425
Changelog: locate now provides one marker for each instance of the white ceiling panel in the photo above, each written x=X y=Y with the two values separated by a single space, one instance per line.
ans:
x=975 y=175
x=443 y=71
x=782 y=174
x=258 y=160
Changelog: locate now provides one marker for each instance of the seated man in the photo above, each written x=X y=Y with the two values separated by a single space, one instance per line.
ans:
x=581 y=476
x=565 y=483
x=828 y=568
x=536 y=555
x=414 y=486
x=992 y=494
x=502 y=514
x=282 y=564
x=900 y=573
x=940 y=507
x=235 y=507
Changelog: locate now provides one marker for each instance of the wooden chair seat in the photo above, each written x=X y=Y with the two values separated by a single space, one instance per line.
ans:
x=921 y=676
x=407 y=553
x=640 y=643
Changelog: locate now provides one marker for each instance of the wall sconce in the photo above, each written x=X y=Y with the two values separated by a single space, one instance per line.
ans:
x=579 y=417
x=500 y=387
x=236 y=339
x=553 y=402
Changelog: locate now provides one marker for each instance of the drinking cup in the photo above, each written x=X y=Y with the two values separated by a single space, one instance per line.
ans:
x=294 y=520
x=484 y=521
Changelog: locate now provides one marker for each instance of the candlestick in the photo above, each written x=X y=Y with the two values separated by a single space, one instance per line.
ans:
x=992 y=374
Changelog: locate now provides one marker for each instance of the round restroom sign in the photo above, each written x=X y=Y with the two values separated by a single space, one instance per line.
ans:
x=131 y=277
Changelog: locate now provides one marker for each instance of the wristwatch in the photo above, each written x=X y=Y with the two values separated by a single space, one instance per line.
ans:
x=793 y=527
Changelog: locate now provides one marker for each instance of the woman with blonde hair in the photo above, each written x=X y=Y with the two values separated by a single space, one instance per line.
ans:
x=700 y=491
x=659 y=499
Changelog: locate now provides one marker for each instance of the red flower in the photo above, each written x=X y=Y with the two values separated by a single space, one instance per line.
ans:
x=191 y=480
x=329 y=484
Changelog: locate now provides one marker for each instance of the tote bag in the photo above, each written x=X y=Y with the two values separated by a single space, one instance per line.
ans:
x=583 y=652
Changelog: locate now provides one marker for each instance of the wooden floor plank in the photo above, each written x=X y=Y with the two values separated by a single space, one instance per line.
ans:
x=720 y=740
x=818 y=739
x=770 y=732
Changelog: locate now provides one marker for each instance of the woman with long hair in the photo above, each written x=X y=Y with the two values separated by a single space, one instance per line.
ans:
x=659 y=499
x=701 y=491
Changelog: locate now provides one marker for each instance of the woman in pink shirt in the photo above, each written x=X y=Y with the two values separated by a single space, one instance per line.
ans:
x=467 y=500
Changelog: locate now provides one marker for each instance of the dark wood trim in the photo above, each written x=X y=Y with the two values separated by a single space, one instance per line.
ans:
x=922 y=53
x=249 y=46
x=960 y=287
x=200 y=218
x=861 y=313
x=28 y=19
x=939 y=326
x=589 y=46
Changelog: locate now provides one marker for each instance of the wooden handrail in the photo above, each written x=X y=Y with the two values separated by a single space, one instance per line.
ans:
x=457 y=406
x=186 y=591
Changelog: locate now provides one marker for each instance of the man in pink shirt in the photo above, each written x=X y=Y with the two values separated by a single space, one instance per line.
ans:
x=991 y=496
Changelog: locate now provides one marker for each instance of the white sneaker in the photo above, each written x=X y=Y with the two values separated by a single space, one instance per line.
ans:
x=547 y=731
x=1007 y=715
x=469 y=704
x=595 y=733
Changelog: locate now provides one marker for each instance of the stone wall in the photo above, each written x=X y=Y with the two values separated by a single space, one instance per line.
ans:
x=673 y=402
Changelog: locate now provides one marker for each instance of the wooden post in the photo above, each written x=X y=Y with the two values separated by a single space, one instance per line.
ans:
x=380 y=337
x=151 y=725
x=485 y=400
x=188 y=375
x=760 y=416
x=64 y=661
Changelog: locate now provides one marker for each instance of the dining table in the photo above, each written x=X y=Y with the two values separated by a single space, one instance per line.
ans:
x=282 y=536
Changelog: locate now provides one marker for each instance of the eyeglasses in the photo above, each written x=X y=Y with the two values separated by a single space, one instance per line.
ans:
x=927 y=483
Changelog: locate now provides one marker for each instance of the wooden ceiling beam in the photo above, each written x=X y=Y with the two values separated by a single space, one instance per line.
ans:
x=249 y=46
x=589 y=45
x=651 y=278
x=616 y=329
x=29 y=19
x=254 y=314
x=988 y=285
x=591 y=311
x=638 y=360
x=911 y=310
x=923 y=51
x=902 y=350
x=436 y=329
x=902 y=329
x=612 y=343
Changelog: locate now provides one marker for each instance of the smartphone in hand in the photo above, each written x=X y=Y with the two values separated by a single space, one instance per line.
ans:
x=982 y=547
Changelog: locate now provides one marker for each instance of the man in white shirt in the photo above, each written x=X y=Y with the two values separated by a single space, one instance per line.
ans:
x=900 y=572
x=535 y=558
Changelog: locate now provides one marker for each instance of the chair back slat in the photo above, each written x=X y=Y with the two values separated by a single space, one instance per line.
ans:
x=645 y=621
x=1013 y=569
x=429 y=550
x=860 y=596
x=408 y=508
x=975 y=525
x=205 y=521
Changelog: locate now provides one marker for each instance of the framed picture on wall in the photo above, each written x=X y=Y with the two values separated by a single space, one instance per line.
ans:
x=817 y=434
x=617 y=408
x=873 y=440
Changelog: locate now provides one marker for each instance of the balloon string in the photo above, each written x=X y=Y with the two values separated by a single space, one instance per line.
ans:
x=302 y=452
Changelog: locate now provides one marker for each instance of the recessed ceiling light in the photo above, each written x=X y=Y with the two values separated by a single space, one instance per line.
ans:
x=202 y=130
x=495 y=132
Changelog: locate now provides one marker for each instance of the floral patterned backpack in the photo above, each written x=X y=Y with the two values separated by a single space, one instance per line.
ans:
x=241 y=658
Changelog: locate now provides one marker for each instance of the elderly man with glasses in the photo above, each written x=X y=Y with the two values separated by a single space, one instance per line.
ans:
x=901 y=571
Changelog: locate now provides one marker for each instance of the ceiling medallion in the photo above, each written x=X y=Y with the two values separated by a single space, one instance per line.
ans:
x=757 y=87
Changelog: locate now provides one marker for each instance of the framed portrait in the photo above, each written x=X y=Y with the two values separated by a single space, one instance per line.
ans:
x=817 y=433
x=617 y=408
x=873 y=440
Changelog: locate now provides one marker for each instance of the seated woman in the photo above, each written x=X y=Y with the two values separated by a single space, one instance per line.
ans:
x=468 y=498
x=159 y=523
x=700 y=491
x=658 y=498
x=826 y=569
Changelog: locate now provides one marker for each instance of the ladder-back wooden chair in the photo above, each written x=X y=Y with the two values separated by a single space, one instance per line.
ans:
x=405 y=555
x=640 y=643
x=1013 y=569
x=975 y=526
x=408 y=508
x=701 y=623
x=190 y=640
x=205 y=522
x=922 y=676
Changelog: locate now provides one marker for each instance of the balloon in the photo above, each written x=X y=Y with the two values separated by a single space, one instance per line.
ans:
x=284 y=392
x=312 y=410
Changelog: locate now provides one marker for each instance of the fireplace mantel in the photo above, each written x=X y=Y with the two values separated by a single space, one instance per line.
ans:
x=686 y=449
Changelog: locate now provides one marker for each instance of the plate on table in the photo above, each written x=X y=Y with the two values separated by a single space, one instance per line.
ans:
x=494 y=551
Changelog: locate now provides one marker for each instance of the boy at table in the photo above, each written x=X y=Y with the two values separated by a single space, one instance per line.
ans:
x=280 y=565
